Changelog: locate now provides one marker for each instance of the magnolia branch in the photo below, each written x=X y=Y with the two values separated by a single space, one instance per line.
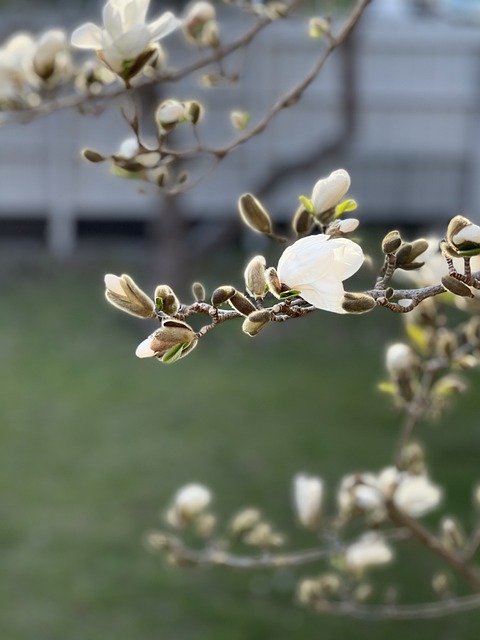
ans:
x=462 y=565
x=423 y=611
x=184 y=555
x=79 y=100
x=287 y=100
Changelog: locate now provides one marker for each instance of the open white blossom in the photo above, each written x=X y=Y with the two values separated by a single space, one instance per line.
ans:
x=370 y=550
x=417 y=495
x=328 y=192
x=126 y=37
x=316 y=267
x=308 y=498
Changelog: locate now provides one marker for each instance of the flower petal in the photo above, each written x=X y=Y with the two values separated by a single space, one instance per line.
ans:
x=348 y=257
x=87 y=36
x=113 y=20
x=144 y=349
x=131 y=44
x=163 y=26
x=326 y=294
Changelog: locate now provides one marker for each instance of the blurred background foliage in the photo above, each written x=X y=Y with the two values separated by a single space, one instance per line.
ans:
x=95 y=442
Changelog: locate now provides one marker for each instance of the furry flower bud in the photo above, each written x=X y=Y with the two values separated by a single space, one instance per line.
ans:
x=358 y=303
x=463 y=237
x=255 y=322
x=123 y=293
x=255 y=277
x=254 y=215
x=174 y=340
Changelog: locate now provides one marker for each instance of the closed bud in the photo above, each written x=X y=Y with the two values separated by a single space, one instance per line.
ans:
x=463 y=237
x=403 y=253
x=198 y=291
x=418 y=247
x=255 y=322
x=169 y=301
x=169 y=114
x=123 y=293
x=222 y=294
x=348 y=225
x=358 y=302
x=446 y=343
x=440 y=583
x=391 y=242
x=302 y=222
x=273 y=282
x=205 y=524
x=254 y=215
x=452 y=536
x=195 y=111
x=242 y=304
x=318 y=27
x=457 y=287
x=244 y=521
x=255 y=277
x=92 y=156
x=263 y=535
x=449 y=385
x=239 y=119
x=412 y=459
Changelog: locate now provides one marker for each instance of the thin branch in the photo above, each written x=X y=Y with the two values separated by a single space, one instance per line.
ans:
x=459 y=563
x=423 y=611
x=220 y=558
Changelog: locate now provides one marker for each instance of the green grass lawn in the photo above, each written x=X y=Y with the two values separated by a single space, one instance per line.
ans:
x=94 y=442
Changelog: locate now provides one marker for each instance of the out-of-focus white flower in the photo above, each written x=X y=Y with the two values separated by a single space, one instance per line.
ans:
x=197 y=17
x=52 y=54
x=128 y=148
x=316 y=267
x=370 y=550
x=399 y=358
x=308 y=498
x=188 y=503
x=126 y=37
x=358 y=491
x=417 y=495
x=170 y=113
x=16 y=71
x=328 y=192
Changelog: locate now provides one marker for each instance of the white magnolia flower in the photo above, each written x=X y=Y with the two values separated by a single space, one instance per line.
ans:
x=126 y=36
x=52 y=54
x=316 y=267
x=16 y=70
x=328 y=192
x=399 y=358
x=417 y=495
x=358 y=491
x=188 y=503
x=308 y=498
x=370 y=550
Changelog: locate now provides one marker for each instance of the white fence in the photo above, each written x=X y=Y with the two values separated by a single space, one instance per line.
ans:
x=414 y=152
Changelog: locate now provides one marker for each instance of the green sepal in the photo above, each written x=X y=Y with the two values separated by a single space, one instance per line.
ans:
x=289 y=293
x=468 y=253
x=387 y=387
x=174 y=353
x=343 y=207
x=159 y=305
x=307 y=204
